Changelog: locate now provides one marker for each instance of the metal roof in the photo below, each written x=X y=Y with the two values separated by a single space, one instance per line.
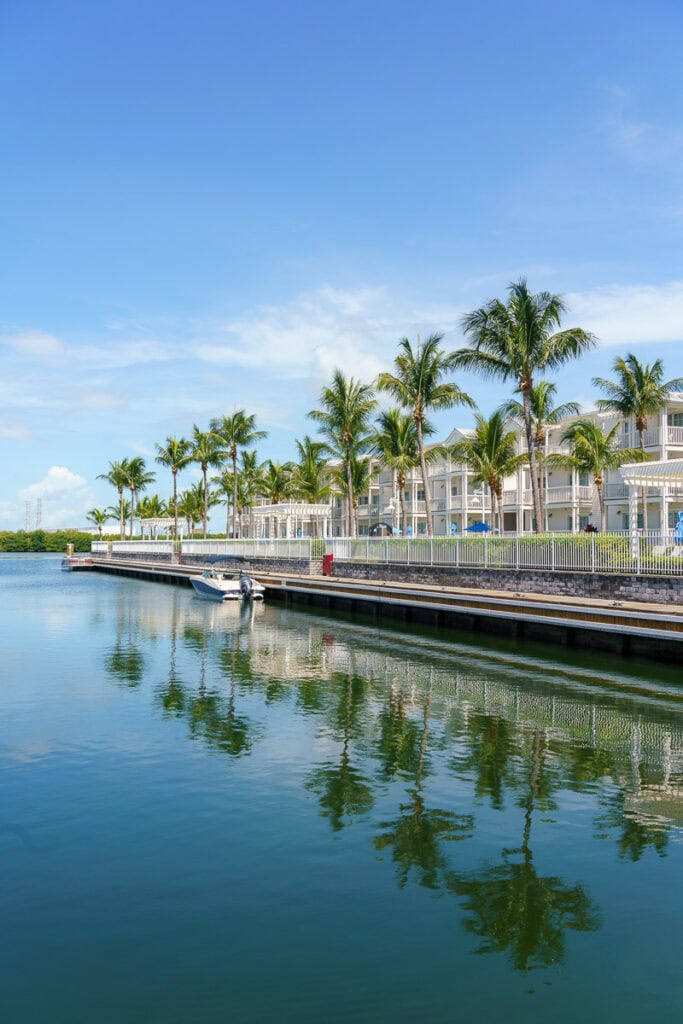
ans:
x=648 y=474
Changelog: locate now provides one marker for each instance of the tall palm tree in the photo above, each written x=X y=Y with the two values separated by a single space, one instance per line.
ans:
x=138 y=478
x=175 y=453
x=206 y=450
x=151 y=507
x=98 y=517
x=346 y=409
x=595 y=451
x=515 y=341
x=120 y=512
x=117 y=476
x=395 y=441
x=418 y=385
x=491 y=454
x=236 y=432
x=544 y=414
x=638 y=391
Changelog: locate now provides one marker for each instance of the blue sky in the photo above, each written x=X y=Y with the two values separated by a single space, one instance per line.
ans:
x=211 y=205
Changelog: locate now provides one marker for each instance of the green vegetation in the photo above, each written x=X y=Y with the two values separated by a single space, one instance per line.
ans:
x=42 y=540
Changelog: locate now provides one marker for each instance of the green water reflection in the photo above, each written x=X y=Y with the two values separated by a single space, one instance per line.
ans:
x=398 y=712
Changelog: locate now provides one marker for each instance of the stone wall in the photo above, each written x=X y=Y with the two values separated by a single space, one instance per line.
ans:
x=299 y=567
x=607 y=586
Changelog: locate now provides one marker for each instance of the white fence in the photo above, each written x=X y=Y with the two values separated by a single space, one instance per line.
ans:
x=295 y=548
x=654 y=553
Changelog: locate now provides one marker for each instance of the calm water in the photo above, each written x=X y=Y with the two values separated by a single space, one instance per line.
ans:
x=220 y=813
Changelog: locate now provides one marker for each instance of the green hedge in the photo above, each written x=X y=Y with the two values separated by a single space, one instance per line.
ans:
x=41 y=540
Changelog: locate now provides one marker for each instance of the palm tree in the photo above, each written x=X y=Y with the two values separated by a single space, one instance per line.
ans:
x=175 y=454
x=544 y=414
x=594 y=451
x=120 y=512
x=491 y=454
x=117 y=476
x=151 y=507
x=514 y=341
x=395 y=441
x=276 y=481
x=638 y=391
x=346 y=409
x=205 y=449
x=361 y=476
x=235 y=432
x=417 y=385
x=225 y=491
x=192 y=506
x=250 y=472
x=138 y=478
x=98 y=517
x=311 y=480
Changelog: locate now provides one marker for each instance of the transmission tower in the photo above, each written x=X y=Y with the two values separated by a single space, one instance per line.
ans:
x=39 y=513
x=27 y=515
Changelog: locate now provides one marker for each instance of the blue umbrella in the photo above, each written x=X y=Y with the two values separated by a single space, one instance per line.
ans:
x=478 y=528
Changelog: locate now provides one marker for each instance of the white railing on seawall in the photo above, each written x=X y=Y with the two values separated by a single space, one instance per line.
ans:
x=653 y=553
x=569 y=552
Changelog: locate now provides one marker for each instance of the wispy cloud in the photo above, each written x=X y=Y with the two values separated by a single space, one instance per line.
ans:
x=630 y=314
x=316 y=332
x=643 y=140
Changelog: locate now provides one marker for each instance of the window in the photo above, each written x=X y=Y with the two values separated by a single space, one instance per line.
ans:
x=675 y=419
x=363 y=531
x=583 y=479
x=421 y=527
x=407 y=495
x=363 y=500
x=420 y=495
x=375 y=499
x=625 y=521
x=584 y=521
x=569 y=522
x=454 y=490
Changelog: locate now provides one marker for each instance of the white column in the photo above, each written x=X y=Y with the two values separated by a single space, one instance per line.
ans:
x=633 y=518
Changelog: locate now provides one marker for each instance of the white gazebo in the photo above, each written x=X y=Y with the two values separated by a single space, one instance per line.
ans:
x=636 y=475
x=162 y=524
x=291 y=519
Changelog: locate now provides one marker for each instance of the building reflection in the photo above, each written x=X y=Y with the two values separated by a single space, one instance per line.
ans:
x=419 y=742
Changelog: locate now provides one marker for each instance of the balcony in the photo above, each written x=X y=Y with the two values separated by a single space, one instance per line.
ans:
x=565 y=495
x=632 y=440
x=674 y=436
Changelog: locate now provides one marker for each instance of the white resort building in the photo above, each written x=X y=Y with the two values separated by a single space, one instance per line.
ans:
x=570 y=499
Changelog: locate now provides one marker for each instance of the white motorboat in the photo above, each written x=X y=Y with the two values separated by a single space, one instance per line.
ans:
x=220 y=585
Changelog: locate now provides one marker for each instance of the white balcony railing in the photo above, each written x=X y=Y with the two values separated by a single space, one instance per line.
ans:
x=674 y=436
x=631 y=439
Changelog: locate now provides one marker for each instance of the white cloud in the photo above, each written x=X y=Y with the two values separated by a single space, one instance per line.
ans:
x=65 y=495
x=630 y=314
x=35 y=343
x=308 y=337
x=10 y=431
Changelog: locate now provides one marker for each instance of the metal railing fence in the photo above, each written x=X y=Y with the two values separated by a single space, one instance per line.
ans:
x=652 y=553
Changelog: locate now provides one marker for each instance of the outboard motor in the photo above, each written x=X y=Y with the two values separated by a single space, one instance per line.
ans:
x=246 y=586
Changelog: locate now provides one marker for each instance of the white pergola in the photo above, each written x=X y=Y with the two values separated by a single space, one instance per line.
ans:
x=162 y=524
x=291 y=519
x=636 y=475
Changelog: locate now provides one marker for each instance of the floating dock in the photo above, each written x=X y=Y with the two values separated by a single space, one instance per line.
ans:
x=650 y=630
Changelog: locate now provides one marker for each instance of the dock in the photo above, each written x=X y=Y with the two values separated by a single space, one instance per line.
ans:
x=630 y=628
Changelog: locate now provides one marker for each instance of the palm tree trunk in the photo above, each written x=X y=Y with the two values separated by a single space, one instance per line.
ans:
x=641 y=432
x=394 y=499
x=603 y=510
x=205 y=510
x=175 y=504
x=349 y=492
x=234 y=495
x=402 y=498
x=132 y=510
x=533 y=473
x=425 y=479
x=122 y=523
